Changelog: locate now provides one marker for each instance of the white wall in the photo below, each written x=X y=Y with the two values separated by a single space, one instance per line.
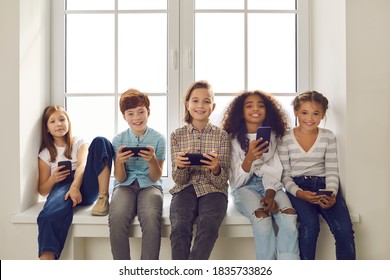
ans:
x=368 y=118
x=350 y=64
x=25 y=81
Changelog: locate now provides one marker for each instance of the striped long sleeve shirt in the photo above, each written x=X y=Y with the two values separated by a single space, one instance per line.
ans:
x=211 y=138
x=320 y=160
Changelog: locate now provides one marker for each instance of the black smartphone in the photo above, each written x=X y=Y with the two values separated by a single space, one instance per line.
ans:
x=324 y=193
x=135 y=150
x=67 y=164
x=196 y=158
x=265 y=133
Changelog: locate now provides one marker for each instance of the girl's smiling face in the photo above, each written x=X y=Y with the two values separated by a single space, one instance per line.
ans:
x=309 y=115
x=200 y=105
x=58 y=124
x=137 y=119
x=254 y=110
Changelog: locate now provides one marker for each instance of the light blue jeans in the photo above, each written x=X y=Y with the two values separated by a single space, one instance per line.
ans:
x=269 y=244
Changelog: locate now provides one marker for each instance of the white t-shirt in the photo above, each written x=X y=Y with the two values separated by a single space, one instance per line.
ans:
x=45 y=155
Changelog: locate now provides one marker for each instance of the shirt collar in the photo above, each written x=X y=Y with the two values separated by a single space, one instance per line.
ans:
x=135 y=137
x=207 y=128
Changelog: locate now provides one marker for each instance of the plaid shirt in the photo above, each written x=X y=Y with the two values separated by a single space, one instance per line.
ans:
x=211 y=138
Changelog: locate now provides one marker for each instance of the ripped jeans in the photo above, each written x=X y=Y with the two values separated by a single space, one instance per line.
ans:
x=269 y=245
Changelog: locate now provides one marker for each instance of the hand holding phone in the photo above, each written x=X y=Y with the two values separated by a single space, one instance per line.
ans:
x=66 y=165
x=321 y=192
x=135 y=150
x=264 y=132
x=195 y=159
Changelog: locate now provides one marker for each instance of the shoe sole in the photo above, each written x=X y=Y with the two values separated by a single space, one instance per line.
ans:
x=99 y=213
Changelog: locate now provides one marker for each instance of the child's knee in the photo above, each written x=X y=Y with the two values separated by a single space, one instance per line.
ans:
x=260 y=213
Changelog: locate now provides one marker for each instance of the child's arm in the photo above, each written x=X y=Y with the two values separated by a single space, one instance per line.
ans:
x=121 y=158
x=220 y=179
x=287 y=180
x=74 y=190
x=179 y=175
x=47 y=181
x=155 y=166
x=331 y=164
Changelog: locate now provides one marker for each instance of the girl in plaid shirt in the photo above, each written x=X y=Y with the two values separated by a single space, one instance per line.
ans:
x=200 y=191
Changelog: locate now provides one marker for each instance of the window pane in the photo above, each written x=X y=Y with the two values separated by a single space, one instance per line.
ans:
x=219 y=4
x=271 y=52
x=142 y=52
x=90 y=53
x=142 y=4
x=219 y=50
x=92 y=117
x=158 y=120
x=288 y=108
x=271 y=4
x=221 y=103
x=90 y=4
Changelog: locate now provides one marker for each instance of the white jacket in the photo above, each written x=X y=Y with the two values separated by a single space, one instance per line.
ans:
x=268 y=166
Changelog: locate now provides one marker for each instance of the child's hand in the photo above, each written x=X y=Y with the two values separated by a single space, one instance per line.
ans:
x=75 y=196
x=181 y=161
x=255 y=151
x=212 y=163
x=270 y=205
x=122 y=157
x=59 y=175
x=308 y=196
x=327 y=201
x=148 y=155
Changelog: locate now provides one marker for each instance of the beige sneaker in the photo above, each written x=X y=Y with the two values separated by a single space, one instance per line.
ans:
x=101 y=205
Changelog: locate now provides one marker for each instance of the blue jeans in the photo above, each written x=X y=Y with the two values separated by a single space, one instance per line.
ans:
x=337 y=218
x=57 y=214
x=209 y=210
x=126 y=203
x=269 y=246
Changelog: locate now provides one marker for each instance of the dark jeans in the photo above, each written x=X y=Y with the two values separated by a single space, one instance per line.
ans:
x=337 y=218
x=209 y=210
x=57 y=214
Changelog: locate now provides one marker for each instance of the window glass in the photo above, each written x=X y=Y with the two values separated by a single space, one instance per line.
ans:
x=91 y=118
x=90 y=53
x=142 y=52
x=271 y=52
x=219 y=50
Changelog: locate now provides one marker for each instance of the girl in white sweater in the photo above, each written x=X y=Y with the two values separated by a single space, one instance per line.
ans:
x=256 y=171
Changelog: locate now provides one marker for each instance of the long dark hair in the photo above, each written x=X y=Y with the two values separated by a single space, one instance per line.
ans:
x=234 y=121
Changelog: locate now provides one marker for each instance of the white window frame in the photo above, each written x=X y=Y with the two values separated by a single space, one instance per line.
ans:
x=181 y=60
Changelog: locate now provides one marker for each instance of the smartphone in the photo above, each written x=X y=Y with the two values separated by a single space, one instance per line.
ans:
x=265 y=133
x=195 y=159
x=324 y=192
x=67 y=164
x=135 y=150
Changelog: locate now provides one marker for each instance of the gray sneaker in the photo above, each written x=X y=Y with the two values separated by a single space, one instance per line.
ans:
x=101 y=206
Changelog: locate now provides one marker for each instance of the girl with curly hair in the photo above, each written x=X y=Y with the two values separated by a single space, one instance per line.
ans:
x=255 y=174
